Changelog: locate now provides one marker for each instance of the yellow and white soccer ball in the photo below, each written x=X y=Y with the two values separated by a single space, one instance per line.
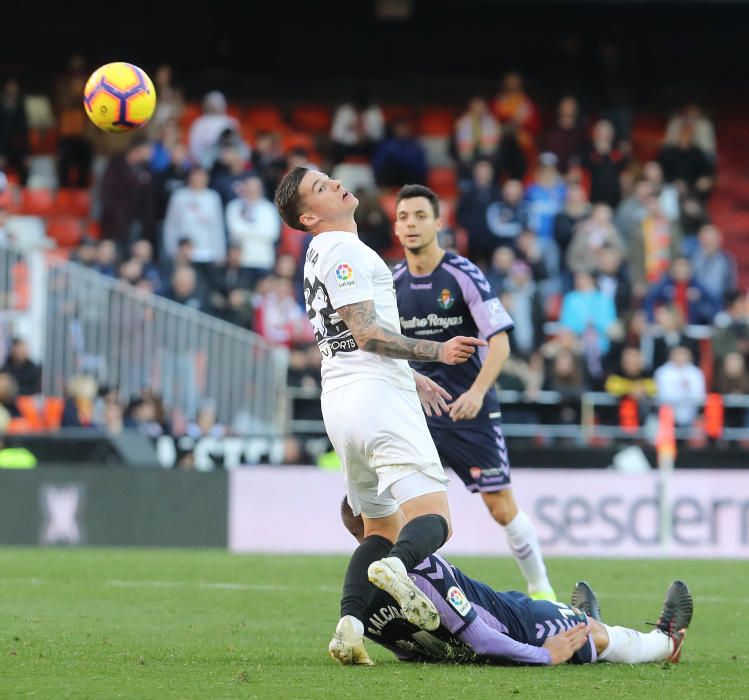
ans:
x=119 y=97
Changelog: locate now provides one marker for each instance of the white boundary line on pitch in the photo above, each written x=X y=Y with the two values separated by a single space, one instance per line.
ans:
x=321 y=588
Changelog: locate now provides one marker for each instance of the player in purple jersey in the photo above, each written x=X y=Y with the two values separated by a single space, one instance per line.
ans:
x=441 y=295
x=481 y=625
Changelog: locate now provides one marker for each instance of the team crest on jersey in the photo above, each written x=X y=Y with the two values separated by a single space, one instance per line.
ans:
x=475 y=473
x=445 y=299
x=344 y=275
x=458 y=600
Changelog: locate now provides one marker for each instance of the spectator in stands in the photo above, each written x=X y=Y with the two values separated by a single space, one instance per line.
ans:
x=546 y=196
x=19 y=365
x=230 y=286
x=693 y=216
x=268 y=161
x=631 y=378
x=229 y=170
x=684 y=162
x=206 y=423
x=668 y=333
x=704 y=131
x=576 y=209
x=528 y=249
x=681 y=289
x=130 y=271
x=509 y=216
x=652 y=247
x=169 y=103
x=128 y=195
x=498 y=271
x=85 y=253
x=681 y=385
x=184 y=288
x=632 y=210
x=74 y=150
x=166 y=181
x=565 y=375
x=591 y=236
x=14 y=131
x=253 y=224
x=141 y=415
x=476 y=136
x=163 y=143
x=588 y=313
x=182 y=256
x=714 y=268
x=400 y=159
x=357 y=129
x=106 y=258
x=612 y=279
x=207 y=128
x=512 y=104
x=114 y=418
x=732 y=328
x=605 y=163
x=374 y=227
x=567 y=139
x=78 y=410
x=525 y=308
x=279 y=317
x=666 y=194
x=142 y=251
x=195 y=212
x=472 y=209
x=732 y=377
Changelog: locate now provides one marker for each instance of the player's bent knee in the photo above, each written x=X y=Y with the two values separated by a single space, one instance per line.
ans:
x=600 y=635
x=501 y=505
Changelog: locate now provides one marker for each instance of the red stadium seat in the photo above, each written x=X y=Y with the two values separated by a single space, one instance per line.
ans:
x=67 y=231
x=297 y=140
x=73 y=202
x=443 y=181
x=264 y=118
x=436 y=121
x=42 y=142
x=191 y=112
x=312 y=118
x=37 y=202
x=291 y=241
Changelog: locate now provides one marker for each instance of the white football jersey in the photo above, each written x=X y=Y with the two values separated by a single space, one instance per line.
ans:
x=341 y=270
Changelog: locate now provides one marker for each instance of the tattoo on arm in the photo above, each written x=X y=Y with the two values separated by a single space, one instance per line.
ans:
x=362 y=322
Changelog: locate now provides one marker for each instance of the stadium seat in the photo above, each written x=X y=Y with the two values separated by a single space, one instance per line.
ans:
x=66 y=230
x=391 y=112
x=73 y=202
x=264 y=118
x=312 y=118
x=297 y=140
x=387 y=201
x=93 y=230
x=234 y=110
x=43 y=141
x=290 y=242
x=443 y=181
x=436 y=121
x=37 y=202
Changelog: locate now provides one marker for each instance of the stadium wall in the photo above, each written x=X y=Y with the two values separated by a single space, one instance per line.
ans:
x=577 y=513
x=75 y=505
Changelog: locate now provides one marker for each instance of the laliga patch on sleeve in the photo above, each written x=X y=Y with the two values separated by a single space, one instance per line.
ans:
x=344 y=275
x=458 y=600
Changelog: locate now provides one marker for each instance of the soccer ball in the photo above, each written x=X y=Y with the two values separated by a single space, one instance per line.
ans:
x=119 y=97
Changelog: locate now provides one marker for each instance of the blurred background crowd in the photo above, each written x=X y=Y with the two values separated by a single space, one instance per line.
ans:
x=615 y=235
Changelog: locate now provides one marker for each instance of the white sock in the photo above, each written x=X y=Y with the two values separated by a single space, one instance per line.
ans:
x=628 y=646
x=523 y=541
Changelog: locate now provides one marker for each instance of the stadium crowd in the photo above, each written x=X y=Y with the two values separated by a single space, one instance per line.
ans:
x=605 y=255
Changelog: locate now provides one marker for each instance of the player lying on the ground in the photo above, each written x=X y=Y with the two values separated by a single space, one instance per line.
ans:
x=479 y=624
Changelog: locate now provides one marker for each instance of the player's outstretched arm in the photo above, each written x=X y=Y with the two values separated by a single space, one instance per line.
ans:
x=361 y=320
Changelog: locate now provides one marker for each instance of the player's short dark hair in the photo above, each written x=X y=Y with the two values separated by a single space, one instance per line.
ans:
x=413 y=191
x=289 y=200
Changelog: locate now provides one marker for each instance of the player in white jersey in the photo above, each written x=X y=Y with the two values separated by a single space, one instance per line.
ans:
x=372 y=406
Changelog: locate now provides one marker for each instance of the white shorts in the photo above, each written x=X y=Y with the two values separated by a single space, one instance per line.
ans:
x=381 y=437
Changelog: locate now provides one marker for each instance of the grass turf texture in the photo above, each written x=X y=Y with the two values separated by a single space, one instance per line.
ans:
x=103 y=623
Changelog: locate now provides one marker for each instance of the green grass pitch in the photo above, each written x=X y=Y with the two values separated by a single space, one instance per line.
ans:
x=106 y=623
